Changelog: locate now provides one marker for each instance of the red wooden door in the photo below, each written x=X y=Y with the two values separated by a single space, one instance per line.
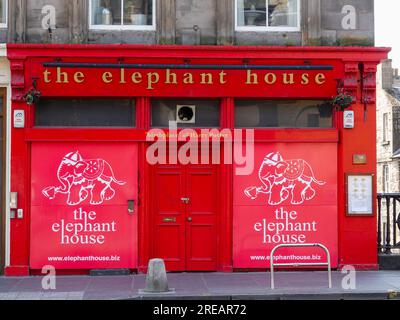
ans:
x=185 y=207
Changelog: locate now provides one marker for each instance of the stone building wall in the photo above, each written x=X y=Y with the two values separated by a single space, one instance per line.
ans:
x=387 y=104
x=212 y=22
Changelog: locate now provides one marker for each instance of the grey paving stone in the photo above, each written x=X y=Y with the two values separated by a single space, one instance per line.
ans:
x=111 y=283
x=8 y=295
x=75 y=295
x=67 y=284
x=54 y=295
x=32 y=284
x=289 y=285
x=29 y=295
x=110 y=295
x=7 y=284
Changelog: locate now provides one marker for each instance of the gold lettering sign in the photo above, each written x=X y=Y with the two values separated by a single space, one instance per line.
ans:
x=151 y=78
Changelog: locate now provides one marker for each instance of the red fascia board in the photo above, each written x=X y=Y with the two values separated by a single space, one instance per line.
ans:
x=22 y=51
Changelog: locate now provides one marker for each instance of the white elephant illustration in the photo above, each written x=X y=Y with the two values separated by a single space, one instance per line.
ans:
x=82 y=178
x=282 y=179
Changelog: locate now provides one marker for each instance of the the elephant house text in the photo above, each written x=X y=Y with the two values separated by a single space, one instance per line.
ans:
x=281 y=231
x=84 y=229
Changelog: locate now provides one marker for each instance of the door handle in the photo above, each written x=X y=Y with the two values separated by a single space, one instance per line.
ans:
x=189 y=219
x=131 y=206
x=185 y=200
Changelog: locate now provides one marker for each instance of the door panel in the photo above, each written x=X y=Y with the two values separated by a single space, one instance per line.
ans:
x=169 y=244
x=201 y=210
x=172 y=252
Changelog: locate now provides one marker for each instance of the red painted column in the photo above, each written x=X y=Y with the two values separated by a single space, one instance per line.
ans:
x=226 y=212
x=357 y=234
x=144 y=223
x=19 y=228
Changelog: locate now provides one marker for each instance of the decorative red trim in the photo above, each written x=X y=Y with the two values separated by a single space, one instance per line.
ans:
x=350 y=83
x=362 y=267
x=17 y=79
x=16 y=271
x=369 y=83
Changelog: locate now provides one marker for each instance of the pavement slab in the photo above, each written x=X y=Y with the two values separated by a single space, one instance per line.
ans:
x=208 y=286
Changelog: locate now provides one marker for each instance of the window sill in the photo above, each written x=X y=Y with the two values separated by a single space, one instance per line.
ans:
x=122 y=28
x=266 y=30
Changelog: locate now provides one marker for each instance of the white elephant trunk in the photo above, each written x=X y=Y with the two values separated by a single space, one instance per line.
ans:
x=62 y=174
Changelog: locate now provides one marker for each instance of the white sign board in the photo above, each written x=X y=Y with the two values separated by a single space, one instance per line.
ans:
x=348 y=119
x=19 y=118
x=359 y=195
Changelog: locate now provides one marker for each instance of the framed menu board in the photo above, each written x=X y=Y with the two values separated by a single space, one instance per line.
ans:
x=359 y=194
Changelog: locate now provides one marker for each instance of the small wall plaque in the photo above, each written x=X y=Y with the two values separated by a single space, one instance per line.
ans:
x=359 y=159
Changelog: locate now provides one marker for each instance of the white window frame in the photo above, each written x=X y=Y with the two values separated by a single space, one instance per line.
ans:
x=5 y=24
x=121 y=26
x=385 y=132
x=268 y=28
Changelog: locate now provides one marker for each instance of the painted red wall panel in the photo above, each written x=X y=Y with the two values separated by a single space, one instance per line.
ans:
x=290 y=198
x=79 y=205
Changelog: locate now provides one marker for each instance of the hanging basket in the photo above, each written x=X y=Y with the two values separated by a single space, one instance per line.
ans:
x=32 y=96
x=342 y=101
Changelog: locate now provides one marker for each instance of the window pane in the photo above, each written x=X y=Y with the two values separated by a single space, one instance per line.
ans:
x=251 y=13
x=85 y=113
x=106 y=12
x=385 y=127
x=3 y=11
x=282 y=13
x=206 y=113
x=283 y=114
x=138 y=12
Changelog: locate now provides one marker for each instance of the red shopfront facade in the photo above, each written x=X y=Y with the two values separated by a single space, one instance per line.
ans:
x=92 y=199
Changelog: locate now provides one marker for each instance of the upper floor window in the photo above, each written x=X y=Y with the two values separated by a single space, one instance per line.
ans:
x=267 y=15
x=122 y=14
x=386 y=179
x=3 y=13
x=385 y=127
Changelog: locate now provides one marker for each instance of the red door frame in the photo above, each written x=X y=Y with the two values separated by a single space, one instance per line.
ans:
x=3 y=162
x=22 y=57
x=224 y=231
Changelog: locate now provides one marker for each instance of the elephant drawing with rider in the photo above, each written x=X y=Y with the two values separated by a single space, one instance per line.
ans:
x=284 y=180
x=83 y=179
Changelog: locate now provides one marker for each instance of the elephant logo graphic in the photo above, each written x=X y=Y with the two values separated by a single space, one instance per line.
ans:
x=284 y=179
x=82 y=178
